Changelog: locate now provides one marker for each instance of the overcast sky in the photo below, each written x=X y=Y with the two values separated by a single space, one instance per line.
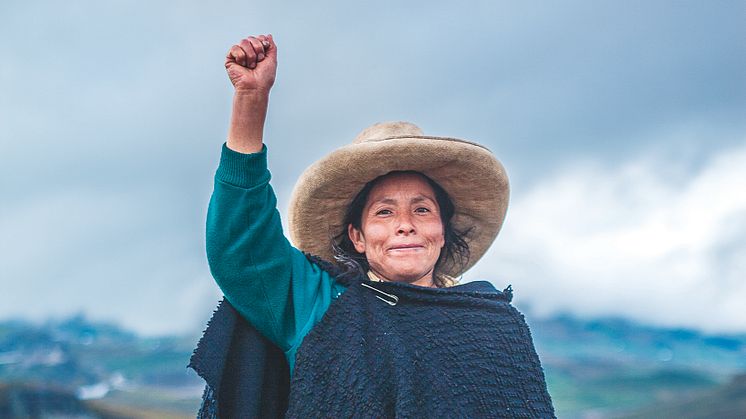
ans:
x=622 y=126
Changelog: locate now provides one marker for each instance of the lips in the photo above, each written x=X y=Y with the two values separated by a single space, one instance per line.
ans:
x=407 y=246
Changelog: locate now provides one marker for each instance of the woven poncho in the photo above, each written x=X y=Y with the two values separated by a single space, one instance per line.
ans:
x=462 y=351
x=397 y=350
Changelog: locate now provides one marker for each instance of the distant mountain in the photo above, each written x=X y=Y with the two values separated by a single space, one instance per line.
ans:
x=725 y=401
x=100 y=361
x=36 y=401
x=605 y=367
x=595 y=368
x=24 y=401
x=625 y=341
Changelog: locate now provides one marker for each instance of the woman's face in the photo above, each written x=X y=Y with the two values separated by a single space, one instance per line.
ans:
x=401 y=231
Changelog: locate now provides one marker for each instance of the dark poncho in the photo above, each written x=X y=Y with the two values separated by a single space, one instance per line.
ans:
x=462 y=351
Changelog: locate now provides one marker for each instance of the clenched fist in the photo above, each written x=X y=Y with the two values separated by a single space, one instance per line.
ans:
x=252 y=64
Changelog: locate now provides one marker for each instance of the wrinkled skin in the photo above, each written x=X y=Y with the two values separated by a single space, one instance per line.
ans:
x=252 y=64
x=401 y=231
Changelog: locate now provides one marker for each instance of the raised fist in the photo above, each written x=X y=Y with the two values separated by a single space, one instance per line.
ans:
x=252 y=64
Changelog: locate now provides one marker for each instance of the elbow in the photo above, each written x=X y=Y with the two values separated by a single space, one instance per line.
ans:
x=226 y=276
x=221 y=267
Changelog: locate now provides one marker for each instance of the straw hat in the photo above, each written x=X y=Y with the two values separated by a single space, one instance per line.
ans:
x=470 y=174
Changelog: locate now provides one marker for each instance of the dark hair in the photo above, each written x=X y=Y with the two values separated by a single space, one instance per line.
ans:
x=453 y=257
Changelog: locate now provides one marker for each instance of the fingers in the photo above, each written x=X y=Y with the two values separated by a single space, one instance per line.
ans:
x=251 y=50
x=258 y=46
x=270 y=48
x=264 y=39
x=254 y=50
x=249 y=53
x=236 y=55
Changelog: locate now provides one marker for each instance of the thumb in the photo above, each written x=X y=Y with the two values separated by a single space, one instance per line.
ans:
x=236 y=72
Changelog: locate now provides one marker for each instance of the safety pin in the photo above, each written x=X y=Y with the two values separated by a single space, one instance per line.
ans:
x=392 y=296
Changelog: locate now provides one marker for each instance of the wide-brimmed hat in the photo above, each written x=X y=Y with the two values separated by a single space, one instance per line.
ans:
x=471 y=175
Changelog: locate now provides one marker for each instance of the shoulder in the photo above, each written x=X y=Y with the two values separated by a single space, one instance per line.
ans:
x=485 y=287
x=345 y=276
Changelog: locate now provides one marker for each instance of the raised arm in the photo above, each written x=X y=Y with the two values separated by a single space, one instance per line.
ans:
x=251 y=65
x=268 y=281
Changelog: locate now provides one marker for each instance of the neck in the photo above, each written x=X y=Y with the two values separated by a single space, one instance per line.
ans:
x=425 y=281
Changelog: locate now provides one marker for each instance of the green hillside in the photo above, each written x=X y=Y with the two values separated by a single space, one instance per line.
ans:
x=726 y=401
x=35 y=401
x=605 y=367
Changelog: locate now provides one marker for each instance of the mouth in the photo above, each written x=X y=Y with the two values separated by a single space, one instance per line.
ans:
x=406 y=247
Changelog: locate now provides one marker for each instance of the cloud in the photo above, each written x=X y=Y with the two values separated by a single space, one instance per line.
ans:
x=112 y=116
x=639 y=240
x=108 y=254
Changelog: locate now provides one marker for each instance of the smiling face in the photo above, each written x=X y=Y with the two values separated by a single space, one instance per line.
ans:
x=401 y=232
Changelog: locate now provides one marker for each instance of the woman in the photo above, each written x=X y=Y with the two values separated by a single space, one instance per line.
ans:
x=384 y=330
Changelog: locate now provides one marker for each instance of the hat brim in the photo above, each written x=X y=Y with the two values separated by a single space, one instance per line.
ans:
x=470 y=174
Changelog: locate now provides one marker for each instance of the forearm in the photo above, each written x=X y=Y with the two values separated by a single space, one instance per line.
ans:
x=246 y=130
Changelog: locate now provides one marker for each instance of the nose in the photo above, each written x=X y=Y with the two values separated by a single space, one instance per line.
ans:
x=405 y=226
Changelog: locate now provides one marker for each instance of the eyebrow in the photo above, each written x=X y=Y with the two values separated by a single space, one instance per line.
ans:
x=416 y=199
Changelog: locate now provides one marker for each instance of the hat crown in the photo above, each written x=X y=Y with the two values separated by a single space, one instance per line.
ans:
x=383 y=130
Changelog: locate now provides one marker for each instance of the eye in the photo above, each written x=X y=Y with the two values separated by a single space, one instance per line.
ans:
x=383 y=212
x=422 y=210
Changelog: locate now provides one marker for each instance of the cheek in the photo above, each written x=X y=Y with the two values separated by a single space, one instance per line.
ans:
x=376 y=235
x=436 y=233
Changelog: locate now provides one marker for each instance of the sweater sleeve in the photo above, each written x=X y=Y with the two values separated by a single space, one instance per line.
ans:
x=270 y=283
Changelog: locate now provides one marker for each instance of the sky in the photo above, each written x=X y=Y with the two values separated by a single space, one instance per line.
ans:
x=622 y=126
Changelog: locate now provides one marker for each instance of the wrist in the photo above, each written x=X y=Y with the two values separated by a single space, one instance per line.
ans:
x=251 y=94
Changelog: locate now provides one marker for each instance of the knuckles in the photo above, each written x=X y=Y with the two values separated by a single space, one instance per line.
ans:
x=246 y=55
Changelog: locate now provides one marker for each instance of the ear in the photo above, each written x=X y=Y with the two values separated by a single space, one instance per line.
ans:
x=357 y=238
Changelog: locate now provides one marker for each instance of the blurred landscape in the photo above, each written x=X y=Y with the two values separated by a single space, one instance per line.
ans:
x=620 y=125
x=78 y=368
x=602 y=368
x=615 y=368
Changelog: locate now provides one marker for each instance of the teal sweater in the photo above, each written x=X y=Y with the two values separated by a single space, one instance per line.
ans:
x=261 y=274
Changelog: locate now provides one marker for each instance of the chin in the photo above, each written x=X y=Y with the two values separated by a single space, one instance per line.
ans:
x=407 y=270
x=409 y=275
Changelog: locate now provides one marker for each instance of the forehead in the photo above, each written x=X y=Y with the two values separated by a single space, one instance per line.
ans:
x=400 y=186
